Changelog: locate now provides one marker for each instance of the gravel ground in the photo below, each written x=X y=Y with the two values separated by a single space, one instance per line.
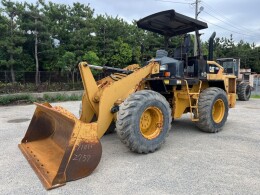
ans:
x=191 y=162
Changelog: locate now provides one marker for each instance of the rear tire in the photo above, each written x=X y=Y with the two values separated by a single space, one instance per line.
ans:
x=212 y=109
x=143 y=121
x=244 y=91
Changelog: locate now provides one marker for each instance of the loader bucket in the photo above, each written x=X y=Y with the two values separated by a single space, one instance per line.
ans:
x=59 y=147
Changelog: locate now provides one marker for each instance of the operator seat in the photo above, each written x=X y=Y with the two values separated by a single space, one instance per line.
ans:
x=182 y=51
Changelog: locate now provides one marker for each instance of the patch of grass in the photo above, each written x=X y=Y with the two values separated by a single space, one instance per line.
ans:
x=255 y=96
x=61 y=98
x=10 y=99
x=75 y=97
x=27 y=98
x=9 y=88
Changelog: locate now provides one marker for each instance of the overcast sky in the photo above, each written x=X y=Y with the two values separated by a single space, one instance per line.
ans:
x=238 y=17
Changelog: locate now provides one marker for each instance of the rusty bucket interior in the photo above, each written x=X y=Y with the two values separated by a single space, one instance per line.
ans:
x=59 y=147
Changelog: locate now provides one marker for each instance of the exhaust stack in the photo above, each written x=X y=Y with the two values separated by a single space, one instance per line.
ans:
x=211 y=39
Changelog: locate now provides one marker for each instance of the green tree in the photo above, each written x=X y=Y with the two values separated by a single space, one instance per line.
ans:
x=80 y=27
x=91 y=57
x=107 y=31
x=122 y=54
x=4 y=30
x=71 y=28
x=11 y=38
x=34 y=25
x=68 y=63
x=152 y=42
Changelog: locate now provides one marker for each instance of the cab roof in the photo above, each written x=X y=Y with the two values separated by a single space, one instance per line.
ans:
x=170 y=23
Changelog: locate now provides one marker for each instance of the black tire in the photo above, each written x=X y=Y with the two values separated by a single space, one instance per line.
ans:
x=244 y=91
x=210 y=120
x=129 y=120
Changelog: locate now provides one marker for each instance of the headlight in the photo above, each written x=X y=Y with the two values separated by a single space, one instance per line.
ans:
x=164 y=67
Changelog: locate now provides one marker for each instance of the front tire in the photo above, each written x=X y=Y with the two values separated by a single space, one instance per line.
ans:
x=143 y=121
x=212 y=109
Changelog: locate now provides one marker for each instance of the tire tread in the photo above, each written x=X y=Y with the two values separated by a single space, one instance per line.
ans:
x=124 y=125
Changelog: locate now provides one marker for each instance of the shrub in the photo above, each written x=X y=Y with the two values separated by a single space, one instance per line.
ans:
x=16 y=98
x=26 y=98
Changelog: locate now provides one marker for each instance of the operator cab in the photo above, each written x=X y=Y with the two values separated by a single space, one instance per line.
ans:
x=170 y=23
x=185 y=67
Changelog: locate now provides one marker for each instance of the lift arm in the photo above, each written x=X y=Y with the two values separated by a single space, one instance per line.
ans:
x=99 y=100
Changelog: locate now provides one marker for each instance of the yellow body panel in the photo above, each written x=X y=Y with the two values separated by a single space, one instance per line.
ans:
x=182 y=102
x=228 y=80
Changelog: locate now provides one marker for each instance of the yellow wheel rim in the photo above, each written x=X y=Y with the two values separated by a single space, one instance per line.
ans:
x=151 y=122
x=218 y=111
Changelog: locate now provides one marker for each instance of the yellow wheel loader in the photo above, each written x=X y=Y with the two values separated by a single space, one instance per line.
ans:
x=142 y=101
x=245 y=78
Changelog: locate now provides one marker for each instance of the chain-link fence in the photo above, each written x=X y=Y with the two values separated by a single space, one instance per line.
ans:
x=49 y=81
x=65 y=78
x=256 y=90
x=44 y=76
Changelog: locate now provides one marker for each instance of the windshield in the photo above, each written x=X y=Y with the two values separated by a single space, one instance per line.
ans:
x=228 y=64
